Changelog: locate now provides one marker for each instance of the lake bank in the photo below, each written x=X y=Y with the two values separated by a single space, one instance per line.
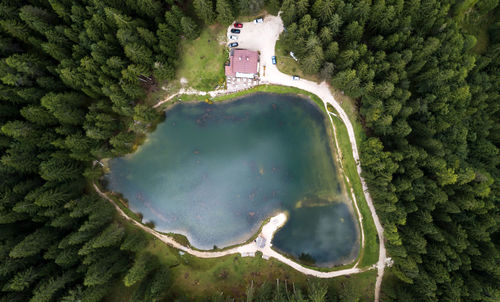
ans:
x=269 y=158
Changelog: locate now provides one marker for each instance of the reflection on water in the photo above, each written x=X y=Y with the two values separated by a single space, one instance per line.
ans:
x=215 y=172
x=319 y=235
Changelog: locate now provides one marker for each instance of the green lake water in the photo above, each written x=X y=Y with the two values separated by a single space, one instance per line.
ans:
x=214 y=172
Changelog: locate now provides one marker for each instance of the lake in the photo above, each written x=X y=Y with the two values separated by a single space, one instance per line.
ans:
x=215 y=172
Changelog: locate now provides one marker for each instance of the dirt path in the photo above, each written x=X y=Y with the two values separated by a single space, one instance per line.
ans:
x=191 y=91
x=246 y=250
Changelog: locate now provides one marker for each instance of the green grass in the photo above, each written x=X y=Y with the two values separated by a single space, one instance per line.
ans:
x=477 y=25
x=369 y=255
x=201 y=64
x=119 y=201
x=390 y=282
x=202 y=60
x=350 y=107
x=286 y=64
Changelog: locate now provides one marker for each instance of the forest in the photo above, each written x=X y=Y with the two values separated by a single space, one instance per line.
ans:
x=429 y=102
x=74 y=76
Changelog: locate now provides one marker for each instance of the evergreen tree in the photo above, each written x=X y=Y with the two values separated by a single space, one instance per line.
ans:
x=34 y=243
x=224 y=14
x=204 y=10
x=142 y=266
x=189 y=28
x=273 y=7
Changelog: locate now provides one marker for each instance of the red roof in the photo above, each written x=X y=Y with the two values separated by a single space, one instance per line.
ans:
x=243 y=61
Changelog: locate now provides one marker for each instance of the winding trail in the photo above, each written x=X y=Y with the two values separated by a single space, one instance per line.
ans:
x=246 y=250
x=262 y=37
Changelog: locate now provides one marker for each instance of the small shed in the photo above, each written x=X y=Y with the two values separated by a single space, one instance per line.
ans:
x=261 y=242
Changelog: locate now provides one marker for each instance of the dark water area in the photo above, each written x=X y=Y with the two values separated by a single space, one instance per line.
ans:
x=214 y=172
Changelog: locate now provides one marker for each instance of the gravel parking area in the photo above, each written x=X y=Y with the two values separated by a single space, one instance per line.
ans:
x=260 y=37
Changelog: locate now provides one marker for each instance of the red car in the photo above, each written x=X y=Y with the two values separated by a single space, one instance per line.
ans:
x=238 y=25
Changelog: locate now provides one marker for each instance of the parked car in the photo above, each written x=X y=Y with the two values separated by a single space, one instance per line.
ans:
x=238 y=25
x=273 y=59
x=259 y=20
x=235 y=31
x=231 y=37
x=234 y=44
x=296 y=78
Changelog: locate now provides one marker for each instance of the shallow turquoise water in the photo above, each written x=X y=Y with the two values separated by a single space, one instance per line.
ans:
x=215 y=172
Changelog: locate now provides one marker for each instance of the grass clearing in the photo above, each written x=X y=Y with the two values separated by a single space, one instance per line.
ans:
x=201 y=64
x=202 y=60
x=478 y=27
x=369 y=255
x=476 y=24
x=351 y=108
x=286 y=64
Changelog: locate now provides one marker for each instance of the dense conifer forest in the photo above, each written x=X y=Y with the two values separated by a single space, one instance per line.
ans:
x=430 y=105
x=74 y=76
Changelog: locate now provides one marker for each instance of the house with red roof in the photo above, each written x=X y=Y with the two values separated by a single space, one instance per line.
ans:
x=243 y=63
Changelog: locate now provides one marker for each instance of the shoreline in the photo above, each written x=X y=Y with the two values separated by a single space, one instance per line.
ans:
x=183 y=237
x=321 y=94
x=247 y=250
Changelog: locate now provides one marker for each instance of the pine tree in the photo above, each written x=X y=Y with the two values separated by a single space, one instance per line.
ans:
x=144 y=264
x=189 y=28
x=37 y=18
x=16 y=29
x=122 y=143
x=65 y=107
x=49 y=287
x=139 y=54
x=273 y=6
x=38 y=115
x=159 y=283
x=288 y=12
x=60 y=168
x=204 y=10
x=34 y=243
x=224 y=14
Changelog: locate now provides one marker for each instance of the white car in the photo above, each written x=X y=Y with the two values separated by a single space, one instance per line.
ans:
x=259 y=20
x=295 y=78
x=233 y=37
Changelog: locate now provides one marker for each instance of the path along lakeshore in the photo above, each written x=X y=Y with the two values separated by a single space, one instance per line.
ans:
x=262 y=37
